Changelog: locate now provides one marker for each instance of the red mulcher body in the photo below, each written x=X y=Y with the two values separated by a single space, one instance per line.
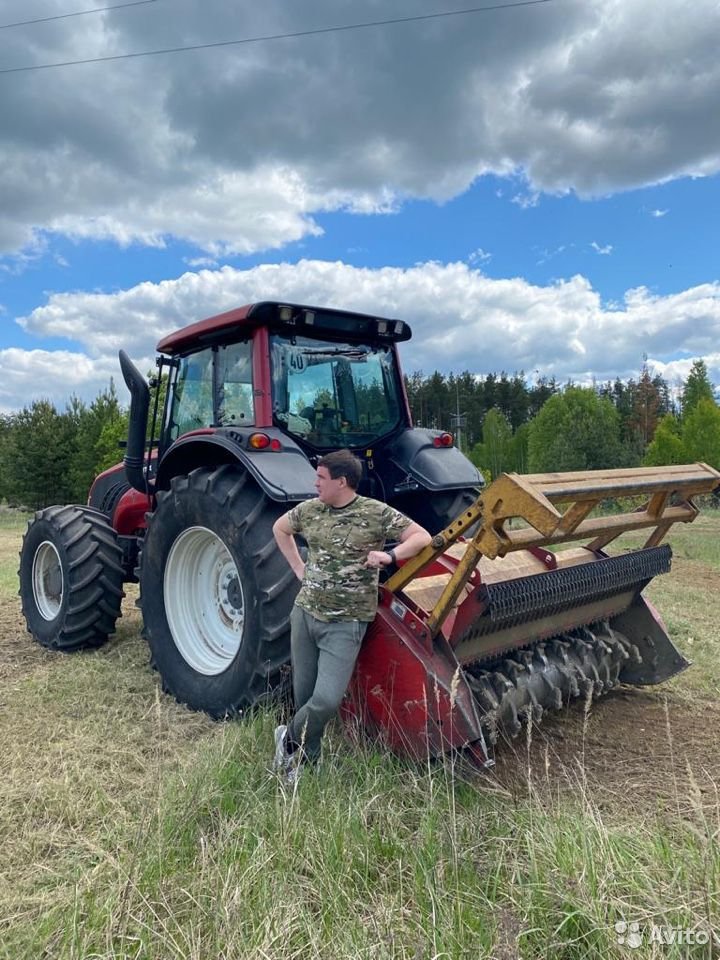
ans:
x=470 y=638
x=475 y=638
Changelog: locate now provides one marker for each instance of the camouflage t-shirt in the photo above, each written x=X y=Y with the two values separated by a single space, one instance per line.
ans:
x=336 y=585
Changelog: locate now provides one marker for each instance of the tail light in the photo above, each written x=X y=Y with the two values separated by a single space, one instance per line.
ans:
x=261 y=441
x=444 y=440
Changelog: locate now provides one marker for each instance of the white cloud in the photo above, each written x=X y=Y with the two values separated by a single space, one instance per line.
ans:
x=526 y=201
x=461 y=320
x=479 y=256
x=28 y=375
x=603 y=251
x=659 y=213
x=239 y=149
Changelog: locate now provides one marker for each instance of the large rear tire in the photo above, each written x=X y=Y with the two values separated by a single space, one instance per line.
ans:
x=215 y=591
x=71 y=578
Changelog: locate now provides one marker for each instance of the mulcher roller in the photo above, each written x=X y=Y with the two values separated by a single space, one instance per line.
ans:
x=477 y=637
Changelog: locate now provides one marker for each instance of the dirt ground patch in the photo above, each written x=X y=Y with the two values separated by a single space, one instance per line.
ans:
x=635 y=750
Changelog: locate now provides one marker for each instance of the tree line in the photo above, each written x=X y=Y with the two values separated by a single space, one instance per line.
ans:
x=49 y=456
x=501 y=421
x=505 y=424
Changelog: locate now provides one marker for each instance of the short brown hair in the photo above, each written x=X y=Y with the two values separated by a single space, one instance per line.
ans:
x=343 y=463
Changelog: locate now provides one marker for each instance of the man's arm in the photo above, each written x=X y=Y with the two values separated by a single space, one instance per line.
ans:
x=412 y=540
x=285 y=540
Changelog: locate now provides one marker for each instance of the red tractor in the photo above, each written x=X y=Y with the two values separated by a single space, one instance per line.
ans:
x=248 y=401
x=484 y=630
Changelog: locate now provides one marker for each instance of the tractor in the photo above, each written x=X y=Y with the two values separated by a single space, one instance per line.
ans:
x=244 y=405
x=487 y=627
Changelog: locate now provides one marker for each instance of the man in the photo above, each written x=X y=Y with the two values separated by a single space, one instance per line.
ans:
x=346 y=534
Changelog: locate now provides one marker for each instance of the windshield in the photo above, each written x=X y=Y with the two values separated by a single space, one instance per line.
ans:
x=334 y=394
x=197 y=404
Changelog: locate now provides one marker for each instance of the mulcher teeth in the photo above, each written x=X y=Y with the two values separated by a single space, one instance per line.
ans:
x=585 y=662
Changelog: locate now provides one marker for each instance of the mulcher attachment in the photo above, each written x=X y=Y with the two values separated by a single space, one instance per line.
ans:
x=476 y=638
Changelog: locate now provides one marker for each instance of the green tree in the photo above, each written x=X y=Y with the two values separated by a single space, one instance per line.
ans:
x=107 y=451
x=697 y=387
x=103 y=414
x=495 y=453
x=575 y=430
x=645 y=408
x=667 y=446
x=701 y=432
x=6 y=424
x=39 y=453
x=520 y=458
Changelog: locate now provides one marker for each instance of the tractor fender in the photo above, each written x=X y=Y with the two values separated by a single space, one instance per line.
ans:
x=435 y=468
x=284 y=474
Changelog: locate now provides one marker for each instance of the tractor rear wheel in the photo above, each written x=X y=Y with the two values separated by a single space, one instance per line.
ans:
x=71 y=578
x=215 y=591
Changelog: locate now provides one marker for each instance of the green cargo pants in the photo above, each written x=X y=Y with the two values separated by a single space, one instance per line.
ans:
x=323 y=657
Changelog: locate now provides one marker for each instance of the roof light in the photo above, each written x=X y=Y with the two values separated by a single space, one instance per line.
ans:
x=443 y=440
x=399 y=327
x=285 y=314
x=310 y=317
x=382 y=326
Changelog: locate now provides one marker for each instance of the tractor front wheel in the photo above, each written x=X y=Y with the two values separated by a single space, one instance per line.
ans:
x=71 y=578
x=215 y=591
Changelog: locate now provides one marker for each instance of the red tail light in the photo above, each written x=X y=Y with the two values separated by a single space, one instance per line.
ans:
x=444 y=440
x=261 y=441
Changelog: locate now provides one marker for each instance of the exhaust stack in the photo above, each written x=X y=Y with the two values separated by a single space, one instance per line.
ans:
x=134 y=458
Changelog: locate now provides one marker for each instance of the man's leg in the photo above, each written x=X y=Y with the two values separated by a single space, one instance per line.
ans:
x=338 y=646
x=304 y=660
x=303 y=655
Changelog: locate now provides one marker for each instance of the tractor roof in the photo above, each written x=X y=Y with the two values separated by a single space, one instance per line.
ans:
x=322 y=322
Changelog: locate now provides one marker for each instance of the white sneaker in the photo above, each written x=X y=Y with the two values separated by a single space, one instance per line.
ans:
x=281 y=757
x=292 y=771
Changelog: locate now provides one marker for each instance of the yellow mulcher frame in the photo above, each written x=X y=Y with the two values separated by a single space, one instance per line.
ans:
x=533 y=498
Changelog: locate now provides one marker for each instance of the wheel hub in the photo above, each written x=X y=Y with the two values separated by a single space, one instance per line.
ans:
x=47 y=580
x=204 y=601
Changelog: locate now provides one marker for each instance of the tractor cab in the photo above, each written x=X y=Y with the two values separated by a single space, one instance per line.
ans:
x=333 y=379
x=332 y=394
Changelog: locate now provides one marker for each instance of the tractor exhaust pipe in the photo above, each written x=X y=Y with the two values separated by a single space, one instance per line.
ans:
x=134 y=458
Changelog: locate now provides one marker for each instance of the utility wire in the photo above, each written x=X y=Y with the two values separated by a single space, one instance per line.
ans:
x=279 y=36
x=77 y=13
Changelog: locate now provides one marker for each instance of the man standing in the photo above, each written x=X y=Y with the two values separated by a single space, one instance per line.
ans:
x=345 y=534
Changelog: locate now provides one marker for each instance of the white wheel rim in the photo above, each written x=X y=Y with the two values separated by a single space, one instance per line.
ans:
x=204 y=601
x=47 y=580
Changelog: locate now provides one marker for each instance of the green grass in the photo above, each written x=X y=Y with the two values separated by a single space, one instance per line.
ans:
x=132 y=828
x=12 y=524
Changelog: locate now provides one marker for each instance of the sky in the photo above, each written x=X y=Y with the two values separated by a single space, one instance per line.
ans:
x=533 y=186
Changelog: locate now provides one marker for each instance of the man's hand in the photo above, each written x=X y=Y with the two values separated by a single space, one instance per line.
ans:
x=378 y=558
x=413 y=539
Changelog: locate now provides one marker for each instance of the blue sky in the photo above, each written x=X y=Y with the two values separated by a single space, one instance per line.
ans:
x=531 y=188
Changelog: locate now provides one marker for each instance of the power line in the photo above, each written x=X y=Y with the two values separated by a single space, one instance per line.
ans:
x=278 y=36
x=77 y=13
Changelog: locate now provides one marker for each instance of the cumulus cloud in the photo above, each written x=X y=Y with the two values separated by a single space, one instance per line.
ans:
x=461 y=320
x=238 y=149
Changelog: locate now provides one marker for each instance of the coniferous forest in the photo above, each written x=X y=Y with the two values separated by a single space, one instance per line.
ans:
x=502 y=422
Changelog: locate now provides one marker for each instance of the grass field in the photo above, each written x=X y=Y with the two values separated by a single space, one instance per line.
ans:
x=132 y=828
